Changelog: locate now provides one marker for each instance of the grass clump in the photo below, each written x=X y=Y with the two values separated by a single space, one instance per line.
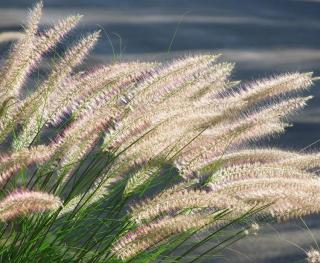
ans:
x=129 y=161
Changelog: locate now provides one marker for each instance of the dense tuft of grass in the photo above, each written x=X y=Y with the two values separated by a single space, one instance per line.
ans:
x=133 y=161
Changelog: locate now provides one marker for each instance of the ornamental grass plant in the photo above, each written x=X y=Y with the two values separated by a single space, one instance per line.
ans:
x=141 y=161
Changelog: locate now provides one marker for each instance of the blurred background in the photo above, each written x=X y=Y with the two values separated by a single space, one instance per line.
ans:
x=263 y=37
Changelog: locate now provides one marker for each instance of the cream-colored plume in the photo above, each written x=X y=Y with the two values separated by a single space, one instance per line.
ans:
x=24 y=203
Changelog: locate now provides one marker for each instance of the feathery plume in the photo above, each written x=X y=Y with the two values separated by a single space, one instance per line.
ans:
x=289 y=197
x=15 y=71
x=303 y=161
x=147 y=236
x=211 y=82
x=217 y=139
x=272 y=87
x=75 y=55
x=24 y=202
x=101 y=87
x=52 y=36
x=11 y=163
x=168 y=79
x=27 y=54
x=20 y=59
x=49 y=91
x=256 y=170
x=246 y=156
x=34 y=19
x=169 y=202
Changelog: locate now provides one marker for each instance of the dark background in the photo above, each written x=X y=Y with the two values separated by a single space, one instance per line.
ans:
x=263 y=37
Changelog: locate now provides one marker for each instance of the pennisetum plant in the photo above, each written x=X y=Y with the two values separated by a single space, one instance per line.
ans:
x=128 y=162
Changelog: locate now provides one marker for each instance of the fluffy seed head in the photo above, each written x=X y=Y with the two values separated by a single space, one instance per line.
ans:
x=24 y=202
x=148 y=235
